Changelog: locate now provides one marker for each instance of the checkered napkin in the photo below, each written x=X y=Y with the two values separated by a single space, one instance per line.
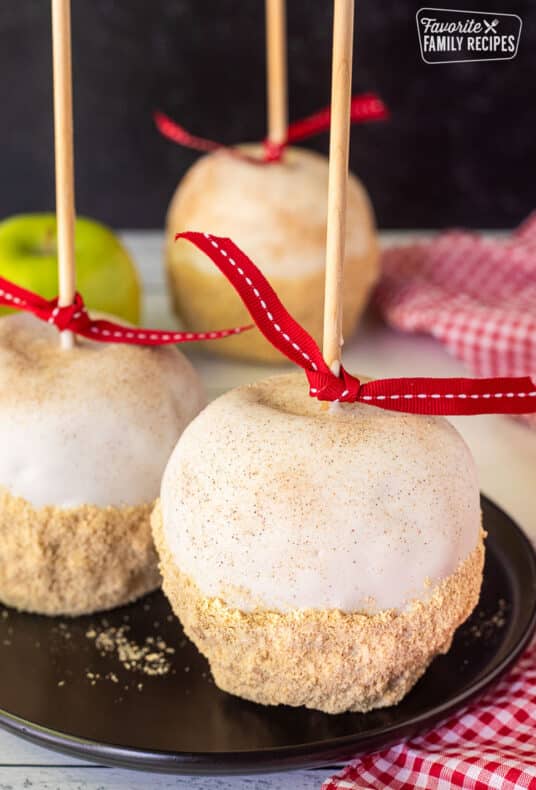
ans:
x=490 y=744
x=477 y=296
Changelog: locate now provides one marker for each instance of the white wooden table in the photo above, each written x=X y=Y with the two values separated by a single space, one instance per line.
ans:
x=505 y=452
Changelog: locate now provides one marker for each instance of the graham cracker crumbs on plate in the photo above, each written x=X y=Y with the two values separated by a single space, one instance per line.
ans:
x=487 y=625
x=149 y=658
x=62 y=633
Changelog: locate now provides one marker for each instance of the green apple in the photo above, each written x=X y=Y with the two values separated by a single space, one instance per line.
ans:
x=105 y=274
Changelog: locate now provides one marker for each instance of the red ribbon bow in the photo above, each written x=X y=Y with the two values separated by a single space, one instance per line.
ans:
x=365 y=107
x=76 y=318
x=415 y=395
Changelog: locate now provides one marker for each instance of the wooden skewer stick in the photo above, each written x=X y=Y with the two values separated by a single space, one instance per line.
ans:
x=276 y=70
x=341 y=88
x=63 y=143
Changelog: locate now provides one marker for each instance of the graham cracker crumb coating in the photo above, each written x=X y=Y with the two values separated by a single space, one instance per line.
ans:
x=327 y=660
x=74 y=561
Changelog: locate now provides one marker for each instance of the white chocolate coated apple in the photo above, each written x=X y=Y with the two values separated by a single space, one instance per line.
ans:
x=272 y=502
x=276 y=214
x=94 y=425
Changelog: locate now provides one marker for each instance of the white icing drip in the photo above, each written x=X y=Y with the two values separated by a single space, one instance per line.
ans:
x=269 y=500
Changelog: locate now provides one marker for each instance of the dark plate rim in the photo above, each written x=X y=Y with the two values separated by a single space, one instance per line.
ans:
x=271 y=759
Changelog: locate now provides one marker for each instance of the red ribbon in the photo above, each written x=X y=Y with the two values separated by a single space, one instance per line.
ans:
x=414 y=395
x=75 y=318
x=365 y=107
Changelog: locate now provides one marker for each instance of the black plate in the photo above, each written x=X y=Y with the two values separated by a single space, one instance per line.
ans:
x=182 y=723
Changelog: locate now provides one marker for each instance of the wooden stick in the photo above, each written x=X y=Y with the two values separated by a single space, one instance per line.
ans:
x=276 y=70
x=341 y=88
x=63 y=142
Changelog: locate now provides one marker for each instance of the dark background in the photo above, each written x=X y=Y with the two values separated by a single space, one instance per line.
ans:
x=460 y=147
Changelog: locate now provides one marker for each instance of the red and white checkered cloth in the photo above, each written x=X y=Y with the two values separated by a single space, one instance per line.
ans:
x=477 y=296
x=489 y=744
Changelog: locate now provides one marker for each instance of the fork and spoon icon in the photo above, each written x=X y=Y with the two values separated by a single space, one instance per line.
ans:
x=490 y=27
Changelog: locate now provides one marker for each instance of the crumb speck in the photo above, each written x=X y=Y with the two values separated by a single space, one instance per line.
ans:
x=149 y=657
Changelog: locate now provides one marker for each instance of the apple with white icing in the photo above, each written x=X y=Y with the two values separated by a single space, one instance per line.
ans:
x=319 y=556
x=276 y=213
x=86 y=434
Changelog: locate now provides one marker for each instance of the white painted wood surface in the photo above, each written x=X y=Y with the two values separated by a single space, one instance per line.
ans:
x=505 y=452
